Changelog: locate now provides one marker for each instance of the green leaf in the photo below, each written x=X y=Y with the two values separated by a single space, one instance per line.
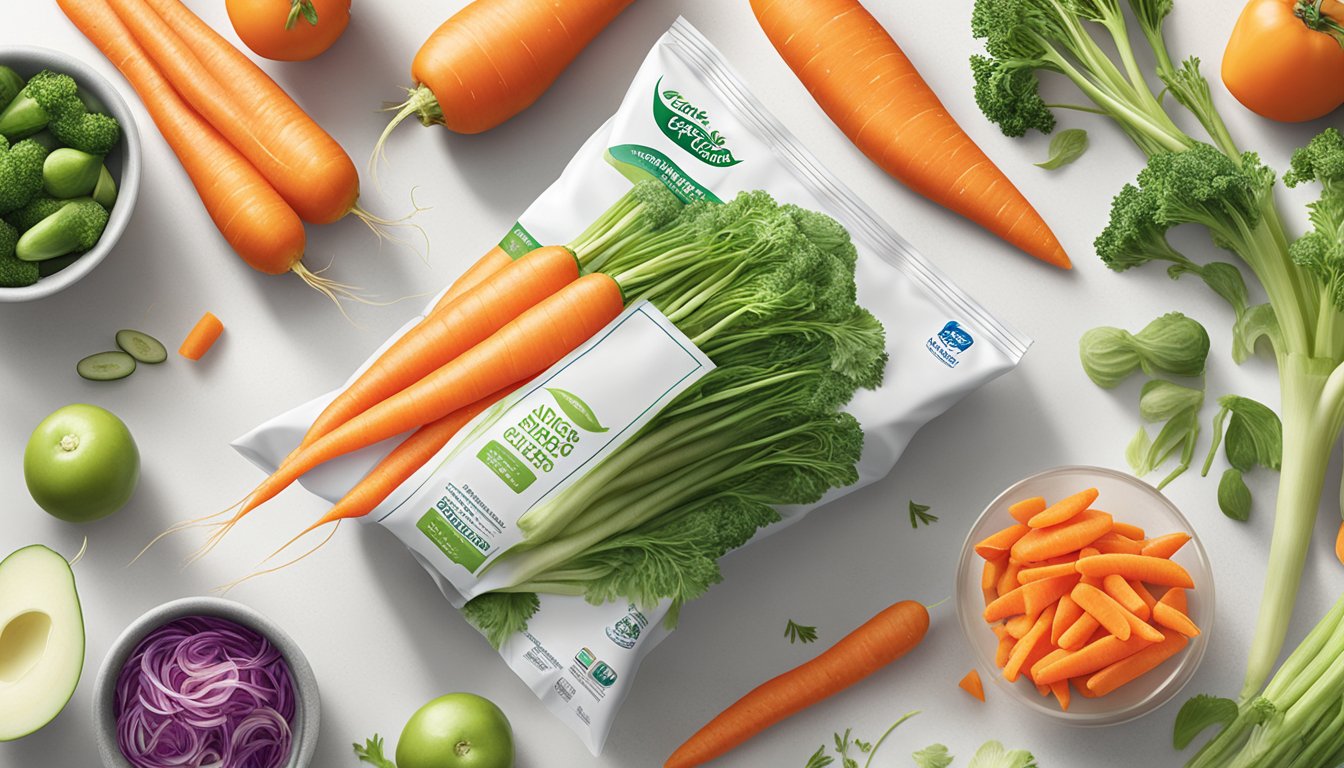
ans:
x=1136 y=453
x=1255 y=323
x=992 y=754
x=1222 y=278
x=799 y=633
x=1234 y=498
x=1239 y=444
x=919 y=514
x=309 y=12
x=1199 y=713
x=819 y=759
x=1065 y=147
x=932 y=756
x=372 y=753
x=577 y=410
x=1258 y=428
x=1162 y=400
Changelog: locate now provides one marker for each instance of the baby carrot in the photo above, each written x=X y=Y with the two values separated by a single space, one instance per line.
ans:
x=1020 y=625
x=1069 y=611
x=1120 y=590
x=998 y=544
x=989 y=578
x=973 y=685
x=1008 y=580
x=1018 y=658
x=1142 y=629
x=1115 y=544
x=1091 y=658
x=1165 y=546
x=1007 y=605
x=1061 y=690
x=1050 y=658
x=1145 y=660
x=1153 y=570
x=1063 y=510
x=1077 y=635
x=1045 y=592
x=1176 y=599
x=1005 y=649
x=1166 y=615
x=1128 y=530
x=1025 y=509
x=1080 y=531
x=1105 y=610
x=202 y=336
x=1046 y=572
x=1143 y=593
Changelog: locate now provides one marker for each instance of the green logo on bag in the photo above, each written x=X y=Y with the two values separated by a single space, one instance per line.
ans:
x=688 y=126
x=577 y=410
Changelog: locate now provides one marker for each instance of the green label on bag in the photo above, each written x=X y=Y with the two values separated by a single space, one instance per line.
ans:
x=503 y=463
x=688 y=126
x=637 y=163
x=519 y=241
x=452 y=541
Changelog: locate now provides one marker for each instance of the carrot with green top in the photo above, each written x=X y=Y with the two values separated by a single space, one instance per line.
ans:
x=1092 y=657
x=998 y=544
x=1055 y=540
x=1103 y=608
x=873 y=93
x=877 y=643
x=1064 y=510
x=973 y=685
x=1136 y=664
x=202 y=337
x=1165 y=546
x=1152 y=570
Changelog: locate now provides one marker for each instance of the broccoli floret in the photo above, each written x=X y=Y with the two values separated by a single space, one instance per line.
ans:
x=14 y=273
x=1321 y=160
x=1134 y=235
x=10 y=85
x=38 y=209
x=20 y=173
x=1321 y=251
x=70 y=121
x=1010 y=97
x=76 y=227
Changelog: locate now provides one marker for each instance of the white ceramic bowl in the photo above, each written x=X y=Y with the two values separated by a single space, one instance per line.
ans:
x=123 y=161
x=1129 y=500
x=308 y=711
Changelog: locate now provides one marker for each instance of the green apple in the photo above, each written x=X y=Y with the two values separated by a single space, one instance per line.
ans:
x=460 y=730
x=41 y=640
x=81 y=464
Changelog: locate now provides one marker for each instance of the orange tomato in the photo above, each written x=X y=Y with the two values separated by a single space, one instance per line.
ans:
x=289 y=30
x=1285 y=60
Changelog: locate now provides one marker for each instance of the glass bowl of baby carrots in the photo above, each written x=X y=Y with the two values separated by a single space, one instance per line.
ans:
x=1086 y=595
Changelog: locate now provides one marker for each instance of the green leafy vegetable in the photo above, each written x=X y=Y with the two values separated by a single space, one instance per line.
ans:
x=919 y=514
x=1254 y=436
x=1172 y=343
x=933 y=756
x=1199 y=713
x=799 y=633
x=843 y=745
x=992 y=754
x=372 y=753
x=1178 y=407
x=1065 y=147
x=819 y=759
x=1209 y=182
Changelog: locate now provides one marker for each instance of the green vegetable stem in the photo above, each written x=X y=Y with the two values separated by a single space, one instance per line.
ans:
x=70 y=173
x=75 y=227
x=1172 y=343
x=1211 y=183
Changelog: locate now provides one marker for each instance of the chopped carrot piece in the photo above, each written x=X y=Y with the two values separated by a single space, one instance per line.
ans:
x=1153 y=570
x=1129 y=531
x=1132 y=666
x=1005 y=649
x=1115 y=544
x=202 y=336
x=1103 y=608
x=1063 y=510
x=1165 y=546
x=1055 y=540
x=1025 y=509
x=1007 y=605
x=998 y=544
x=973 y=685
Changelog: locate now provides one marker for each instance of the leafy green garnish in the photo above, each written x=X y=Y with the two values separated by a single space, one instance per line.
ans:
x=992 y=754
x=1178 y=406
x=819 y=759
x=799 y=633
x=1065 y=147
x=1234 y=497
x=1199 y=713
x=844 y=742
x=932 y=756
x=1254 y=436
x=372 y=753
x=919 y=514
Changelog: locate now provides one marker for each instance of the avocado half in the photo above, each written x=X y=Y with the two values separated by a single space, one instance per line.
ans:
x=41 y=640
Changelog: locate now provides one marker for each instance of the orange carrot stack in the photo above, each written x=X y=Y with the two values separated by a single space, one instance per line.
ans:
x=1068 y=593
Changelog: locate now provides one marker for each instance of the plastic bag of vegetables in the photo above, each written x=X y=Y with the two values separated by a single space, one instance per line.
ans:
x=803 y=344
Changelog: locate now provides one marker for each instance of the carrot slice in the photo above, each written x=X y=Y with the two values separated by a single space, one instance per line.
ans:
x=1025 y=509
x=202 y=337
x=1153 y=570
x=973 y=685
x=1127 y=669
x=998 y=544
x=1064 y=510
x=1056 y=540
x=1103 y=608
x=1165 y=546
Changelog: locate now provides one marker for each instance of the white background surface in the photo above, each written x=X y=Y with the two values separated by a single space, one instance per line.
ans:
x=379 y=635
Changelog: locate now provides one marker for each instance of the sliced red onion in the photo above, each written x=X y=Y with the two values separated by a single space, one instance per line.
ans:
x=205 y=692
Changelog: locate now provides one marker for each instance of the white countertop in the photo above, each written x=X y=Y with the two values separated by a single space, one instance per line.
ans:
x=377 y=632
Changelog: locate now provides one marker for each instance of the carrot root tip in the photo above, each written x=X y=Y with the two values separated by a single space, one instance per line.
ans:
x=419 y=101
x=386 y=230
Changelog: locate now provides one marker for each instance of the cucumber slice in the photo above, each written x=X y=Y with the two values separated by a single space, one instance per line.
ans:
x=143 y=347
x=106 y=366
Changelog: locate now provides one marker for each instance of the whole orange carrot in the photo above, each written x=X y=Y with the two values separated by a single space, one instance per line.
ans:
x=883 y=639
x=865 y=83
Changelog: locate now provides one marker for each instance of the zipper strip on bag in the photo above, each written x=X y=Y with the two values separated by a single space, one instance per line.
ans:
x=686 y=41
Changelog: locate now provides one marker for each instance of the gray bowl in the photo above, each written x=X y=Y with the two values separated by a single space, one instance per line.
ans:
x=123 y=161
x=308 y=710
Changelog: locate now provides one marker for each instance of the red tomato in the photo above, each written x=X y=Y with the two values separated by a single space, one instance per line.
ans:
x=285 y=31
x=1286 y=66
